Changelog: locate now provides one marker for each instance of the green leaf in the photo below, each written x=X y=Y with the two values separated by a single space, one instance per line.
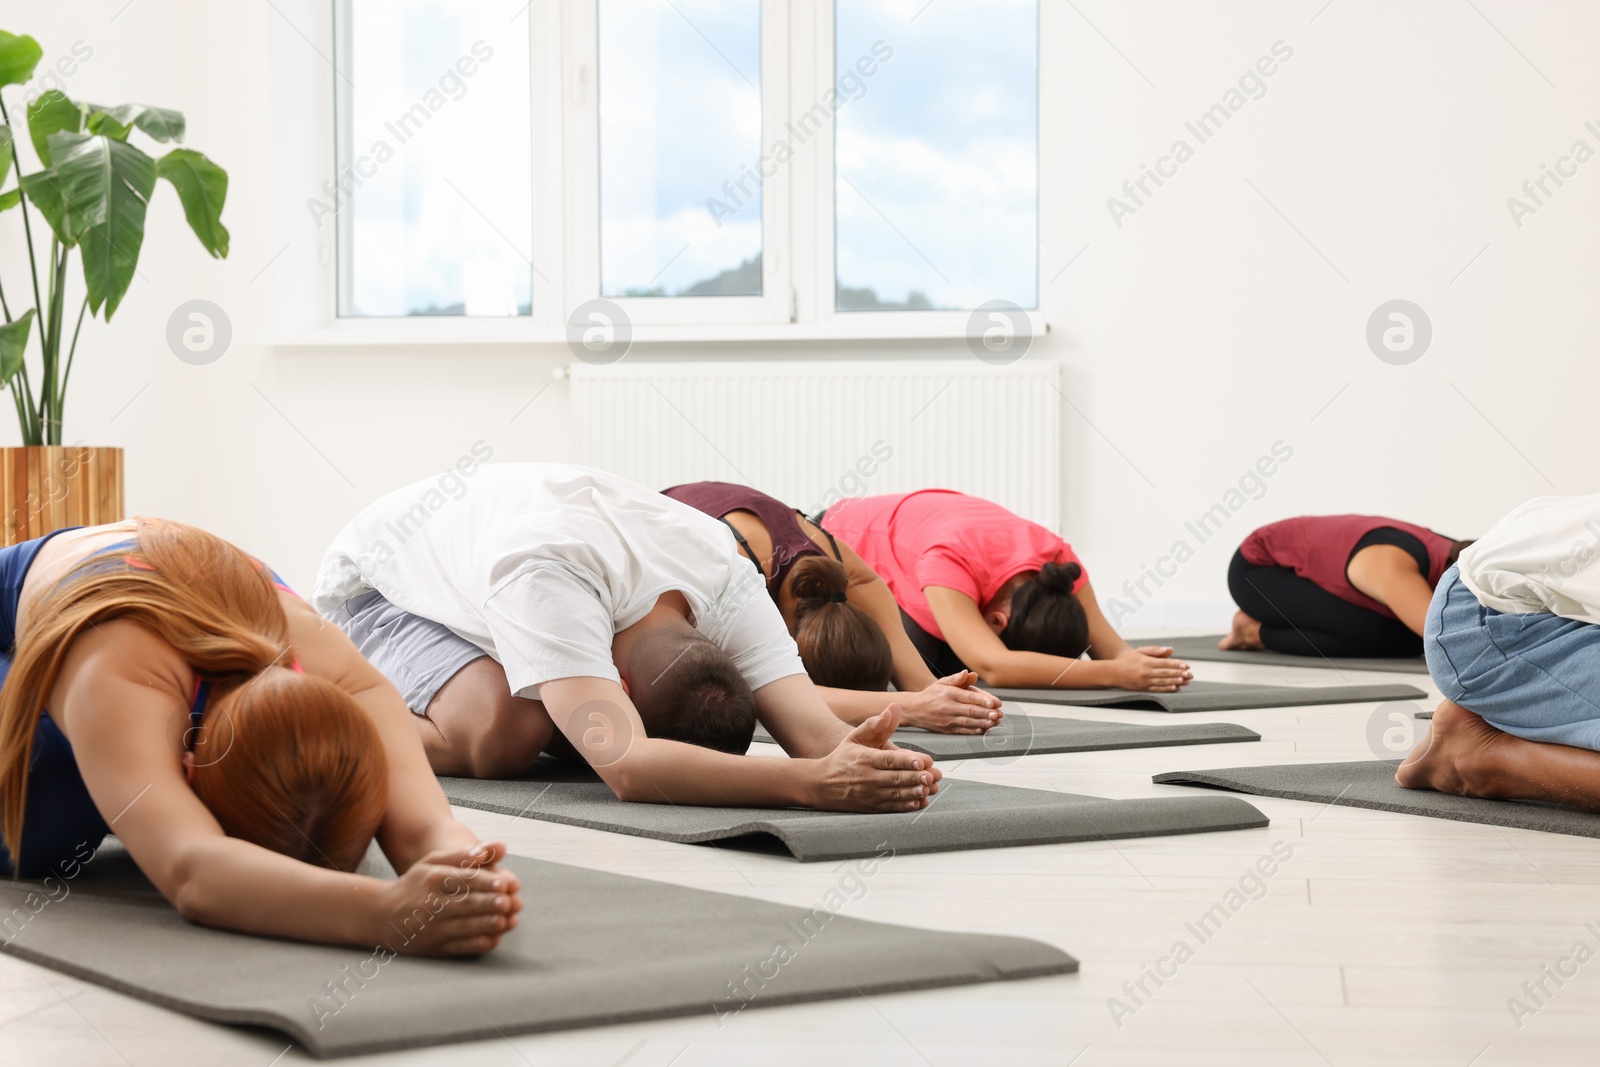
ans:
x=10 y=199
x=103 y=123
x=104 y=188
x=18 y=56
x=202 y=186
x=52 y=113
x=14 y=345
x=44 y=190
x=6 y=152
x=72 y=205
x=160 y=123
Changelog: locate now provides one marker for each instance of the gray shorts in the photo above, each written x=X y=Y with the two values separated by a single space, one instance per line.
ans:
x=418 y=655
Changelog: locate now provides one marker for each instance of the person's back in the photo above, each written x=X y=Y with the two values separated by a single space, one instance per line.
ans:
x=1318 y=548
x=445 y=549
x=946 y=538
x=542 y=598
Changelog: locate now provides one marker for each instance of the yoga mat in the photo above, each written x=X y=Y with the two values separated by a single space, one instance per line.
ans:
x=1371 y=784
x=1205 y=648
x=1033 y=735
x=964 y=815
x=591 y=949
x=1216 y=696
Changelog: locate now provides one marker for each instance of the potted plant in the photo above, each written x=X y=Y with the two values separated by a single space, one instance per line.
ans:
x=91 y=191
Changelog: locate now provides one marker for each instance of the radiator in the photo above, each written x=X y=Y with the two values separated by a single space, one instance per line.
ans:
x=813 y=433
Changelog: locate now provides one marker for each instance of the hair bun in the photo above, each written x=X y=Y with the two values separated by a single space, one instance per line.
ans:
x=817 y=581
x=1060 y=577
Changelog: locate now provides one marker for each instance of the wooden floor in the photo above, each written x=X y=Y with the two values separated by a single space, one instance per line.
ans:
x=1385 y=939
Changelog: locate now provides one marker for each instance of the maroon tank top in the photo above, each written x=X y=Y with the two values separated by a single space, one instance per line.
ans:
x=789 y=541
x=1318 y=548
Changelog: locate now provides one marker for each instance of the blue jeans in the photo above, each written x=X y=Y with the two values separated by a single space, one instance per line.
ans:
x=1535 y=676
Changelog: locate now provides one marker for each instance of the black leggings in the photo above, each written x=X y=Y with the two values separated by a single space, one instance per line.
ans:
x=939 y=656
x=1300 y=618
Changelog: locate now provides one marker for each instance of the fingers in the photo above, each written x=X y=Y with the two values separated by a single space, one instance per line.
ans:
x=876 y=731
x=472 y=936
x=468 y=946
x=483 y=854
x=974 y=698
x=476 y=856
x=962 y=685
x=899 y=759
x=969 y=724
x=503 y=904
x=1157 y=651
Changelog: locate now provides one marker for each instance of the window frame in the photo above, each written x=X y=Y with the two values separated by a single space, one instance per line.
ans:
x=799 y=295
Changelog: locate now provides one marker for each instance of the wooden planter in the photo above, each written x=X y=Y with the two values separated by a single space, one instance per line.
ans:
x=46 y=487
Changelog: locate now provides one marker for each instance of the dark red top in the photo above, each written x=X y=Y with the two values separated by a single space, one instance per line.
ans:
x=1318 y=548
x=789 y=541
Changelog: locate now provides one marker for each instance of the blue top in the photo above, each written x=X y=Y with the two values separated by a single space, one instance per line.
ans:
x=61 y=818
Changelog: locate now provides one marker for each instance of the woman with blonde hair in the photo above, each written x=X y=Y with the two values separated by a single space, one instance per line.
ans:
x=162 y=685
x=841 y=615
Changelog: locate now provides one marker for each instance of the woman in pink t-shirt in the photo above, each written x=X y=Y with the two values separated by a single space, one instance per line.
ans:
x=983 y=589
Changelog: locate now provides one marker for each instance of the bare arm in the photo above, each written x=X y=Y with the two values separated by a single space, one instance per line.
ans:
x=1389 y=575
x=121 y=705
x=417 y=820
x=949 y=705
x=846 y=772
x=981 y=649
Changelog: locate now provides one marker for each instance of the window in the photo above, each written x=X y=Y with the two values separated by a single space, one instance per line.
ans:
x=680 y=122
x=936 y=154
x=434 y=152
x=714 y=168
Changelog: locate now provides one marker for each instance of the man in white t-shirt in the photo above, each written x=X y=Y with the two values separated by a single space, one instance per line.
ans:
x=536 y=607
x=1513 y=642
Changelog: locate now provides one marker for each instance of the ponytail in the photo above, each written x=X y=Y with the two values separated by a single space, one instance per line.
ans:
x=217 y=608
x=840 y=644
x=1046 y=616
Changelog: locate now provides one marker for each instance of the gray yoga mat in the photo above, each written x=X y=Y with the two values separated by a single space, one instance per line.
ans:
x=591 y=949
x=964 y=815
x=1035 y=735
x=1216 y=696
x=1371 y=784
x=1205 y=648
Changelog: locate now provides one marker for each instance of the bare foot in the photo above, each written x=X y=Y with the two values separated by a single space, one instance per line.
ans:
x=1456 y=756
x=1245 y=635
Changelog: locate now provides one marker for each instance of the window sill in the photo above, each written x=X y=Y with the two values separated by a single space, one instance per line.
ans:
x=455 y=332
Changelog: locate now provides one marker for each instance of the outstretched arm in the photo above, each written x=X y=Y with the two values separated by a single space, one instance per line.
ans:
x=1389 y=575
x=981 y=649
x=1150 y=667
x=838 y=769
x=947 y=705
x=417 y=820
x=121 y=703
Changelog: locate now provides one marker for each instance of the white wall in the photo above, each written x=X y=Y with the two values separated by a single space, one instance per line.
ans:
x=1195 y=335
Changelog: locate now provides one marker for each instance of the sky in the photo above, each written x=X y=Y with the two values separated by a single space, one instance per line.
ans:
x=936 y=195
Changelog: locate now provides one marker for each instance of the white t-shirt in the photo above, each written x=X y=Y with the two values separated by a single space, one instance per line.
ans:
x=540 y=564
x=1544 y=556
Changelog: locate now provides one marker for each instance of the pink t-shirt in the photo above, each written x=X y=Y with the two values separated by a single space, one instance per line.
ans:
x=941 y=537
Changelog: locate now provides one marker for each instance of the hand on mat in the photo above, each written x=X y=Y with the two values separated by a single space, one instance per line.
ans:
x=453 y=902
x=952 y=706
x=1152 y=670
x=868 y=773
